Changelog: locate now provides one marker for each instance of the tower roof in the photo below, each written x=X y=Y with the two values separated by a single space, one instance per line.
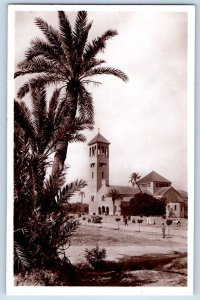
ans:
x=98 y=139
x=153 y=177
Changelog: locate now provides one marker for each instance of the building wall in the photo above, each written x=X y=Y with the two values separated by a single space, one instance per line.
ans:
x=175 y=210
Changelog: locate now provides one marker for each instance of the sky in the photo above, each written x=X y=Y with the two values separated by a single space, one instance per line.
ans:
x=145 y=119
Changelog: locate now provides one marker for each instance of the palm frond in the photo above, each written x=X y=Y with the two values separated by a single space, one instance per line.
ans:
x=52 y=36
x=21 y=260
x=107 y=71
x=85 y=103
x=66 y=30
x=77 y=138
x=53 y=105
x=97 y=45
x=39 y=80
x=22 y=116
x=70 y=189
x=80 y=33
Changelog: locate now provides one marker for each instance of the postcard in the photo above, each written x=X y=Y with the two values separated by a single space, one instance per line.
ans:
x=100 y=149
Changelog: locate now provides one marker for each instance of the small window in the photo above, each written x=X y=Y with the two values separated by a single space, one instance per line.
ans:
x=175 y=207
x=106 y=151
x=92 y=198
x=102 y=174
x=92 y=165
x=92 y=174
x=103 y=198
x=98 y=150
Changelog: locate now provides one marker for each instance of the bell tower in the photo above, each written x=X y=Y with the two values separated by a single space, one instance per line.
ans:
x=98 y=164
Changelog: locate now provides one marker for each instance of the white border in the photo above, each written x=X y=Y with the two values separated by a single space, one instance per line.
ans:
x=118 y=291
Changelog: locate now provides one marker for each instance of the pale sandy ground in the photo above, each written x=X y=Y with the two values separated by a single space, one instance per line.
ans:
x=126 y=242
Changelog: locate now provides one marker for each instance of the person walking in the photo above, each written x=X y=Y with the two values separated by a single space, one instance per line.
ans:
x=163 y=230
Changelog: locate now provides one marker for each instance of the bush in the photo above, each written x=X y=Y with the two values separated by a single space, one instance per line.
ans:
x=169 y=222
x=95 y=257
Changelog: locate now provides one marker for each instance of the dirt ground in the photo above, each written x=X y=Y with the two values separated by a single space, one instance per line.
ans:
x=133 y=257
x=141 y=258
x=126 y=241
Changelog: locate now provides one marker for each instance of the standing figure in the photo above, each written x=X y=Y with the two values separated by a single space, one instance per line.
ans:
x=126 y=221
x=163 y=229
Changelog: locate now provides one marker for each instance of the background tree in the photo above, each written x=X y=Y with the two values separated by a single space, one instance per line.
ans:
x=134 y=180
x=66 y=58
x=114 y=194
x=147 y=205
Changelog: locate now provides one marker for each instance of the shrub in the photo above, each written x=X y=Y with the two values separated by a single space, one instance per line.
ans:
x=169 y=222
x=95 y=257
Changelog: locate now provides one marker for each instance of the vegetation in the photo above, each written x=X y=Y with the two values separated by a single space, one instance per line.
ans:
x=134 y=180
x=96 y=257
x=67 y=59
x=118 y=220
x=114 y=194
x=42 y=133
x=42 y=230
x=144 y=204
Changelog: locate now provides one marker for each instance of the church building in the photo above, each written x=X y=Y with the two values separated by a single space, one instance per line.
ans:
x=100 y=203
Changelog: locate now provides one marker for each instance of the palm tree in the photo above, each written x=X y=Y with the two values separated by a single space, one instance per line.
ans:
x=134 y=180
x=114 y=194
x=66 y=58
x=41 y=231
x=82 y=195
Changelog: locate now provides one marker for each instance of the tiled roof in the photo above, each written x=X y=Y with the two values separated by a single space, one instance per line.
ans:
x=128 y=190
x=183 y=194
x=162 y=191
x=172 y=197
x=99 y=139
x=123 y=190
x=153 y=177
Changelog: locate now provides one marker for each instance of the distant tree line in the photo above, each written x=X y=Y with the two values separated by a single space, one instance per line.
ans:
x=77 y=208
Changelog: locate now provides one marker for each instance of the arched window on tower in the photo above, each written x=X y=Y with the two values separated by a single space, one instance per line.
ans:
x=102 y=150
x=98 y=150
x=106 y=151
x=102 y=174
x=90 y=151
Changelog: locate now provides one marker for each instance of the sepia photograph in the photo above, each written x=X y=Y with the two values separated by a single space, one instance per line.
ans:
x=100 y=149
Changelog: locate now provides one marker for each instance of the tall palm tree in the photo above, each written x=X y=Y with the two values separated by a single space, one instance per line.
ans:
x=66 y=58
x=82 y=195
x=134 y=180
x=40 y=226
x=114 y=194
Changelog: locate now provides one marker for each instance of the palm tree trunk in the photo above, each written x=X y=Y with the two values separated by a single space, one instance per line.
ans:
x=114 y=207
x=62 y=146
x=59 y=157
x=139 y=188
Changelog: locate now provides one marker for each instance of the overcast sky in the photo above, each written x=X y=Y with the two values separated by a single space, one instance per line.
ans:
x=145 y=119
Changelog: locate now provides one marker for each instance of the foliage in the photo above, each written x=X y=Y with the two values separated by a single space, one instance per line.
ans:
x=169 y=222
x=114 y=194
x=95 y=256
x=134 y=180
x=66 y=58
x=118 y=220
x=42 y=231
x=96 y=219
x=144 y=204
x=77 y=208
